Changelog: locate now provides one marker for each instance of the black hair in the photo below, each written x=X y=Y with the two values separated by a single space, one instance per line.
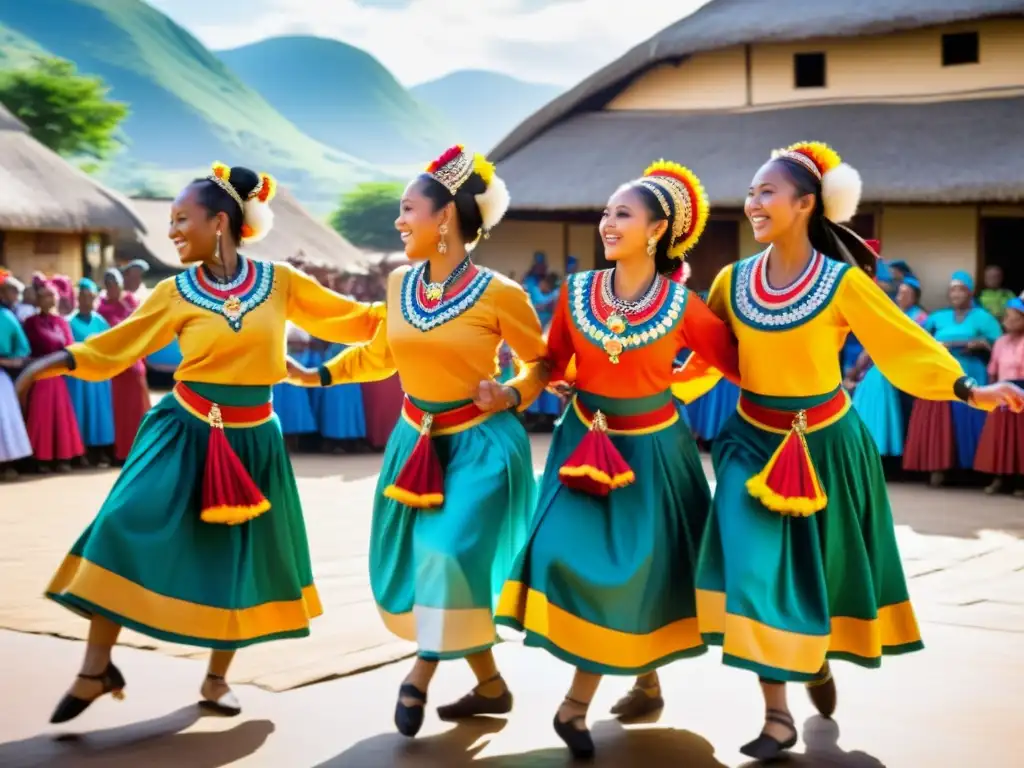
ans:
x=827 y=237
x=215 y=200
x=663 y=263
x=470 y=220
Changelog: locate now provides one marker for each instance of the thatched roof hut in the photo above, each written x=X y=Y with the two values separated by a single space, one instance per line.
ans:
x=944 y=152
x=724 y=23
x=295 y=233
x=42 y=192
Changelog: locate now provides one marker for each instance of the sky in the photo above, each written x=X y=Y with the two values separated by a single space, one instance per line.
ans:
x=549 y=41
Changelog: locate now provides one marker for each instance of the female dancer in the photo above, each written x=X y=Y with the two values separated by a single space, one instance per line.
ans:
x=129 y=387
x=780 y=587
x=605 y=581
x=184 y=549
x=942 y=435
x=456 y=487
x=51 y=422
x=14 y=351
x=93 y=402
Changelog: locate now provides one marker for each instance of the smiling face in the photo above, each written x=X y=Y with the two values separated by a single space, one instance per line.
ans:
x=774 y=205
x=627 y=225
x=193 y=230
x=418 y=224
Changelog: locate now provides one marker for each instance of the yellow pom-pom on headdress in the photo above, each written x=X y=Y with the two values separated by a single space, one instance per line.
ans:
x=841 y=185
x=221 y=171
x=689 y=203
x=265 y=190
x=820 y=155
x=484 y=168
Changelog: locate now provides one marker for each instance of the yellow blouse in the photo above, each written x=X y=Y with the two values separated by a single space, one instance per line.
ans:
x=443 y=353
x=225 y=340
x=789 y=340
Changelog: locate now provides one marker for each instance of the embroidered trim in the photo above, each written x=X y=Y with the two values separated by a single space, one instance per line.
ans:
x=584 y=293
x=758 y=305
x=232 y=307
x=450 y=307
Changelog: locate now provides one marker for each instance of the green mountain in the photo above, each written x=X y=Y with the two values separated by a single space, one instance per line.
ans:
x=342 y=97
x=187 y=107
x=484 y=106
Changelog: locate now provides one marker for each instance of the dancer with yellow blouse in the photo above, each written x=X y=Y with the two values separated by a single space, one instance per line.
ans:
x=456 y=488
x=799 y=563
x=201 y=540
x=605 y=581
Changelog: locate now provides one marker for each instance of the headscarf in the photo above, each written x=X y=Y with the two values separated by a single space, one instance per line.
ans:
x=62 y=284
x=140 y=263
x=913 y=282
x=1016 y=303
x=960 y=277
x=85 y=284
x=902 y=265
x=115 y=274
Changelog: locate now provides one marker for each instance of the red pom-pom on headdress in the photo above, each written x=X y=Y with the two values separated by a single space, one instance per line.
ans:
x=446 y=157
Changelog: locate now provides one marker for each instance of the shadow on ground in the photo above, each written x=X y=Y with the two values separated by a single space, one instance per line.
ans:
x=156 y=742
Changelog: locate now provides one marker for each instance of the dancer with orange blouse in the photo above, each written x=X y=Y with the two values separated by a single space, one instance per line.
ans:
x=605 y=581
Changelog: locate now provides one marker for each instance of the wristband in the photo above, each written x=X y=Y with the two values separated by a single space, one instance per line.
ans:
x=963 y=387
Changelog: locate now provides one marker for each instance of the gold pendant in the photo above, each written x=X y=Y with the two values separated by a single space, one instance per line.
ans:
x=232 y=308
x=616 y=323
x=613 y=348
x=434 y=291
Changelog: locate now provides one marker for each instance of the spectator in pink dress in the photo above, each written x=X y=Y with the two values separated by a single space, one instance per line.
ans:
x=51 y=423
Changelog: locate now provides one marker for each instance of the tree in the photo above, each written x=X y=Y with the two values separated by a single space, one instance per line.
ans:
x=68 y=112
x=366 y=216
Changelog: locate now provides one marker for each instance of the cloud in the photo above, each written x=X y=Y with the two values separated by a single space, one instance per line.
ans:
x=554 y=41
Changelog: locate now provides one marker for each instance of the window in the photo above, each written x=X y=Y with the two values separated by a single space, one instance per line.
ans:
x=959 y=48
x=809 y=70
x=47 y=244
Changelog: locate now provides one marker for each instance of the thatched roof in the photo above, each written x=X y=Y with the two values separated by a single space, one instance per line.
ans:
x=941 y=152
x=294 y=231
x=40 y=191
x=724 y=23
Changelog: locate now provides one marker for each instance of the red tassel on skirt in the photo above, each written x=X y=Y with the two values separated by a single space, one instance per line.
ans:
x=420 y=482
x=930 y=446
x=229 y=495
x=1001 y=446
x=596 y=467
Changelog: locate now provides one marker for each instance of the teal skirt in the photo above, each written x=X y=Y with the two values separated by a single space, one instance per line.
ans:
x=149 y=563
x=782 y=593
x=606 y=584
x=436 y=573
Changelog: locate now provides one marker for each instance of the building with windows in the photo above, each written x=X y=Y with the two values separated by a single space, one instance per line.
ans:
x=926 y=99
x=53 y=217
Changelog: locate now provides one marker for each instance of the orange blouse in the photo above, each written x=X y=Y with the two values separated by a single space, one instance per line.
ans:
x=585 y=330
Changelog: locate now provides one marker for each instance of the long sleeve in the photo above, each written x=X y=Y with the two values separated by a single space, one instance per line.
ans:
x=710 y=338
x=361 y=363
x=907 y=356
x=560 y=347
x=107 y=354
x=698 y=376
x=329 y=315
x=520 y=327
x=13 y=341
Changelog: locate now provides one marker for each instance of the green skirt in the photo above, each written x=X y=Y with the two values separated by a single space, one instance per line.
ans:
x=436 y=573
x=606 y=584
x=782 y=593
x=149 y=563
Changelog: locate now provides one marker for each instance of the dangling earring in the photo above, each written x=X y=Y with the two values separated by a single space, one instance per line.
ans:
x=442 y=246
x=652 y=246
x=216 y=251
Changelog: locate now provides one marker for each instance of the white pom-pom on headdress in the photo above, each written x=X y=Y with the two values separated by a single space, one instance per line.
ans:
x=259 y=220
x=841 y=189
x=493 y=203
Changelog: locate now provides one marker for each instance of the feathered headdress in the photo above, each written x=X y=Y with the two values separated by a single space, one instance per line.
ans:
x=841 y=185
x=259 y=218
x=454 y=167
x=682 y=199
